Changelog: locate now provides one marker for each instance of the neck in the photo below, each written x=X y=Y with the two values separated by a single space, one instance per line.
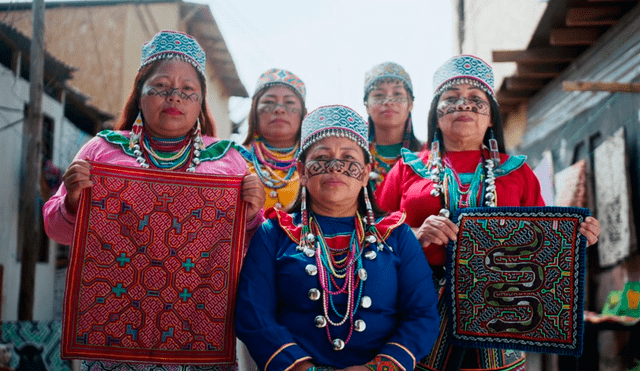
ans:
x=462 y=144
x=389 y=136
x=334 y=210
x=280 y=143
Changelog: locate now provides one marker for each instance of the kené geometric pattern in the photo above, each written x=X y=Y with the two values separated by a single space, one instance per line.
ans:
x=154 y=267
x=515 y=279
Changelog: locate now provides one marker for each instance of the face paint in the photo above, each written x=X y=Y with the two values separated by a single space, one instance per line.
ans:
x=151 y=91
x=462 y=104
x=270 y=107
x=378 y=101
x=352 y=169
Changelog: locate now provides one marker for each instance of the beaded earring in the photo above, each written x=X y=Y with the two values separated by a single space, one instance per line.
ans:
x=493 y=147
x=306 y=237
x=435 y=166
x=372 y=235
x=136 y=132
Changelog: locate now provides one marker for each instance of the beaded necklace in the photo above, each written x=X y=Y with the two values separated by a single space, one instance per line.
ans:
x=455 y=195
x=383 y=164
x=339 y=263
x=168 y=154
x=266 y=160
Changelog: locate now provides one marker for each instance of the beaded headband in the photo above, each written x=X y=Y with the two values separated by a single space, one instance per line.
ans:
x=334 y=121
x=386 y=71
x=468 y=68
x=173 y=44
x=277 y=76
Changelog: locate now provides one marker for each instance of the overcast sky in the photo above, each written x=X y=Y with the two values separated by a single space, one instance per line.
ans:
x=330 y=44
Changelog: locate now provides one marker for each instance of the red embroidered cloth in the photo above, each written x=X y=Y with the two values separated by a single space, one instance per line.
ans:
x=154 y=268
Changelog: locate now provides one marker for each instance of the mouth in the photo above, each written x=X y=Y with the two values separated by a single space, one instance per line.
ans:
x=333 y=182
x=172 y=111
x=464 y=118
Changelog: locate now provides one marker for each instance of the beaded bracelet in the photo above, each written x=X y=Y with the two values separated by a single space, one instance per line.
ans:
x=381 y=363
x=312 y=368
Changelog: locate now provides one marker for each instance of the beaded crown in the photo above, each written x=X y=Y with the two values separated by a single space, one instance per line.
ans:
x=174 y=44
x=334 y=121
x=277 y=76
x=386 y=70
x=469 y=68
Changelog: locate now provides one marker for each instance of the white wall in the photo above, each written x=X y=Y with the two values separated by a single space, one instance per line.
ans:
x=14 y=94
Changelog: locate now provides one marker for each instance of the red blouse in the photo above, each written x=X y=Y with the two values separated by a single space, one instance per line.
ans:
x=404 y=189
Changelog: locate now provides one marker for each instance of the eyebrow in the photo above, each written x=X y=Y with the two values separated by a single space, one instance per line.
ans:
x=275 y=96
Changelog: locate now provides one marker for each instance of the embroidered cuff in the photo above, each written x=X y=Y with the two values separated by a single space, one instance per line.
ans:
x=286 y=357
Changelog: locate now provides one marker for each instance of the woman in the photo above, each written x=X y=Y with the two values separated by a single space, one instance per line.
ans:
x=467 y=146
x=388 y=97
x=330 y=286
x=277 y=110
x=160 y=127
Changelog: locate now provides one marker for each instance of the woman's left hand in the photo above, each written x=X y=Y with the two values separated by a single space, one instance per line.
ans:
x=253 y=194
x=590 y=228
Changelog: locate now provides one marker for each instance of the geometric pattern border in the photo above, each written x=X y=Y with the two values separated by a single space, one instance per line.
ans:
x=515 y=279
x=154 y=268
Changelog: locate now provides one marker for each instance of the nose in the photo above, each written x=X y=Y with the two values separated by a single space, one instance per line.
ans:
x=279 y=108
x=335 y=166
x=173 y=95
x=463 y=104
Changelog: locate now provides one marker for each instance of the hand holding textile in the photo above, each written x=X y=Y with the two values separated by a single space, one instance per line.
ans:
x=590 y=228
x=436 y=229
x=253 y=194
x=76 y=178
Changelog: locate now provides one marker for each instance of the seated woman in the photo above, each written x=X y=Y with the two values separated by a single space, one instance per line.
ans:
x=336 y=284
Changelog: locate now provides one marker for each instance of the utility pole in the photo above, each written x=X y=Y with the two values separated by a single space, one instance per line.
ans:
x=30 y=212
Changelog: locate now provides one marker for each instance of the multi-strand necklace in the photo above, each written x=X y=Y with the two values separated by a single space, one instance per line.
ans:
x=340 y=272
x=456 y=195
x=168 y=154
x=267 y=160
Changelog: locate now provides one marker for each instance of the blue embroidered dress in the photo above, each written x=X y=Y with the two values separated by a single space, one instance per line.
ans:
x=275 y=317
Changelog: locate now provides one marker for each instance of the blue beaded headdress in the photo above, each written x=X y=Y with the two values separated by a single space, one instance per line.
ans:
x=277 y=76
x=386 y=70
x=334 y=121
x=471 y=69
x=174 y=44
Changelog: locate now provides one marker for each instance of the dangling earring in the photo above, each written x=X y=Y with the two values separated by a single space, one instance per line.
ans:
x=136 y=133
x=306 y=237
x=408 y=130
x=435 y=166
x=372 y=235
x=198 y=143
x=495 y=154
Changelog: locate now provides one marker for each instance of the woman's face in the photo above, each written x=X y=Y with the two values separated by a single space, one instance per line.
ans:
x=171 y=99
x=389 y=105
x=279 y=116
x=334 y=173
x=464 y=114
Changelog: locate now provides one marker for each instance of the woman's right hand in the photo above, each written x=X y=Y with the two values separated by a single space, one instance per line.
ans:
x=437 y=230
x=76 y=178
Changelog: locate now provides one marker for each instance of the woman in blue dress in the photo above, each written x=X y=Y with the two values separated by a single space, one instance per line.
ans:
x=337 y=283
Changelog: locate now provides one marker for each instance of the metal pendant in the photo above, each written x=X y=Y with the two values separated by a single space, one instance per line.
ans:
x=273 y=194
x=311 y=270
x=278 y=206
x=359 y=325
x=370 y=255
x=370 y=239
x=445 y=212
x=338 y=344
x=320 y=321
x=309 y=252
x=365 y=302
x=362 y=273
x=314 y=294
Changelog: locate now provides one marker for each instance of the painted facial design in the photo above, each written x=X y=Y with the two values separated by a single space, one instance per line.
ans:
x=269 y=107
x=151 y=91
x=352 y=169
x=462 y=104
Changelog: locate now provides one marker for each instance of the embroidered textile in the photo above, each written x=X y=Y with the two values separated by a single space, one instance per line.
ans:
x=334 y=120
x=386 y=70
x=35 y=345
x=515 y=279
x=153 y=274
x=276 y=76
x=167 y=44
x=463 y=67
